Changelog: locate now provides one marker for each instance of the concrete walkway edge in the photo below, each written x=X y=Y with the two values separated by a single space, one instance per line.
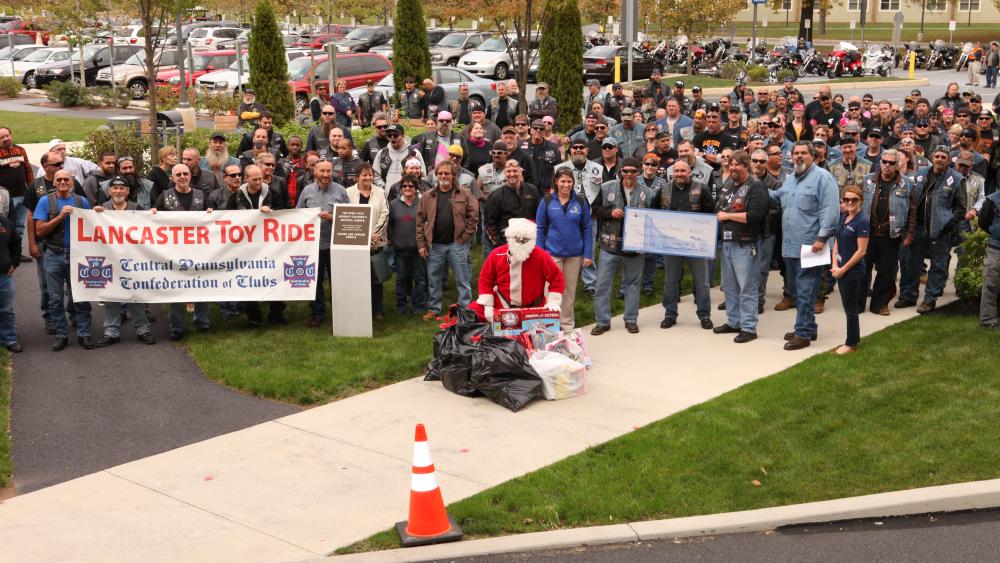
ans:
x=944 y=498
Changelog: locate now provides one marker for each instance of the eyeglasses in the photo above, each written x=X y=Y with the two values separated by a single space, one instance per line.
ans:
x=55 y=164
x=234 y=175
x=444 y=121
x=652 y=164
x=985 y=117
x=630 y=170
x=851 y=200
x=520 y=125
x=61 y=180
x=182 y=174
x=329 y=113
x=601 y=127
x=609 y=147
x=758 y=160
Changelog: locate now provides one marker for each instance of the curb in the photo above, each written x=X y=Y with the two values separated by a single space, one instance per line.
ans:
x=944 y=498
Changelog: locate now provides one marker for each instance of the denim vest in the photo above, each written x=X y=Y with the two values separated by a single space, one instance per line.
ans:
x=949 y=186
x=899 y=202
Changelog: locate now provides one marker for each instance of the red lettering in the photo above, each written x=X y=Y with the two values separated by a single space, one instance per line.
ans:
x=223 y=225
x=80 y=235
x=202 y=235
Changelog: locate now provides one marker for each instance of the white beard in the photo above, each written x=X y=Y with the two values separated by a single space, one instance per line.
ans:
x=517 y=252
x=216 y=159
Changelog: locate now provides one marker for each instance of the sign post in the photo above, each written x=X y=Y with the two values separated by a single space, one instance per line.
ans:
x=951 y=31
x=350 y=270
x=753 y=33
x=630 y=19
x=897 y=30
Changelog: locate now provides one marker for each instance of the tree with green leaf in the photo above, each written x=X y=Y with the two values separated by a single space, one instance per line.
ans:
x=561 y=59
x=411 y=55
x=268 y=67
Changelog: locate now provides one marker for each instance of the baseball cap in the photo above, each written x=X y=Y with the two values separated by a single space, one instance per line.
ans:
x=578 y=143
x=819 y=143
x=906 y=127
x=591 y=115
x=852 y=128
x=848 y=141
x=474 y=105
x=964 y=157
x=962 y=111
x=411 y=79
x=394 y=128
x=117 y=181
x=249 y=91
x=875 y=132
x=628 y=115
x=663 y=135
x=508 y=129
x=788 y=79
x=543 y=85
x=678 y=84
x=56 y=142
x=446 y=115
x=712 y=108
x=757 y=137
x=915 y=93
x=854 y=105
x=986 y=112
x=501 y=146
x=657 y=71
x=921 y=122
x=734 y=109
x=616 y=85
x=609 y=141
x=968 y=133
x=696 y=88
x=456 y=150
x=538 y=123
x=594 y=82
x=219 y=136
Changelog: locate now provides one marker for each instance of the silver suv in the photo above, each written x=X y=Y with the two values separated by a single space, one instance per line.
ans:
x=451 y=47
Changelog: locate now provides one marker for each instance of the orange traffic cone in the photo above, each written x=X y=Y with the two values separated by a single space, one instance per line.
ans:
x=429 y=523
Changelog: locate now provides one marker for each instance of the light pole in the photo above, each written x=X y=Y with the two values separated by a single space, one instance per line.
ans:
x=183 y=103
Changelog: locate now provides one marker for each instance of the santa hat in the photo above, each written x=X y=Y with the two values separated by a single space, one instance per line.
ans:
x=520 y=228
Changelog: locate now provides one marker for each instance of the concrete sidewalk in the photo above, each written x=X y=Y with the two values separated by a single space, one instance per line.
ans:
x=306 y=484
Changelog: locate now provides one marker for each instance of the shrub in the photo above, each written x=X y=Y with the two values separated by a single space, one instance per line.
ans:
x=411 y=55
x=268 y=66
x=217 y=103
x=781 y=74
x=969 y=275
x=10 y=87
x=66 y=94
x=757 y=73
x=166 y=98
x=561 y=60
x=732 y=70
x=120 y=142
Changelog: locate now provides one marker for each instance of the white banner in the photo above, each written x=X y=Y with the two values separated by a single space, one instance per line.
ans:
x=188 y=256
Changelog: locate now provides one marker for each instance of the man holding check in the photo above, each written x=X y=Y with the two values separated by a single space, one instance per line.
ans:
x=810 y=206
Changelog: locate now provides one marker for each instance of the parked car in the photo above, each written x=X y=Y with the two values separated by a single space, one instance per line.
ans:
x=18 y=52
x=210 y=37
x=288 y=39
x=24 y=70
x=132 y=74
x=134 y=35
x=189 y=28
x=449 y=78
x=362 y=39
x=491 y=58
x=95 y=57
x=355 y=68
x=599 y=63
x=451 y=47
x=433 y=36
x=16 y=38
x=202 y=62
x=21 y=27
x=229 y=79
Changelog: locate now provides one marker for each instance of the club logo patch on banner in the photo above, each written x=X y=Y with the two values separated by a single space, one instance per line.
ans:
x=95 y=274
x=300 y=273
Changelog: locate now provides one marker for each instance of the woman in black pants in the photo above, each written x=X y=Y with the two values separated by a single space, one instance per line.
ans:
x=848 y=265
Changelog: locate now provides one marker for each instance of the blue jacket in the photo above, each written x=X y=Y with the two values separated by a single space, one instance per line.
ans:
x=810 y=207
x=947 y=206
x=899 y=202
x=682 y=122
x=565 y=231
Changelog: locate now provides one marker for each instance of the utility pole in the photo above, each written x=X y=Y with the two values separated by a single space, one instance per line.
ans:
x=180 y=63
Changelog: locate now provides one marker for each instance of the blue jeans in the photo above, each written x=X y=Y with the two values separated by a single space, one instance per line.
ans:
x=317 y=308
x=8 y=328
x=589 y=273
x=57 y=278
x=939 y=252
x=606 y=270
x=991 y=77
x=673 y=269
x=455 y=255
x=649 y=266
x=411 y=282
x=230 y=309
x=178 y=317
x=740 y=281
x=766 y=253
x=113 y=318
x=803 y=285
x=20 y=214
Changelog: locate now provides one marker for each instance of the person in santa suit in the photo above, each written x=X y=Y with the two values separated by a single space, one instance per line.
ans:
x=517 y=273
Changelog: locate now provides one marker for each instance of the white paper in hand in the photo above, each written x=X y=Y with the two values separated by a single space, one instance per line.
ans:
x=810 y=259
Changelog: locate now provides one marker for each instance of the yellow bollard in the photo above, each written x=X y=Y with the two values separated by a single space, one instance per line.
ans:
x=913 y=59
x=618 y=69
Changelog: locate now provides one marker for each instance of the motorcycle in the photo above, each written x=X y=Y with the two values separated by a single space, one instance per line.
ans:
x=919 y=59
x=813 y=62
x=844 y=59
x=878 y=59
x=942 y=55
x=963 y=59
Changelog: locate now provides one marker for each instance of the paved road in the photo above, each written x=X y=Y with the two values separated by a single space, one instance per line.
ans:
x=967 y=537
x=77 y=411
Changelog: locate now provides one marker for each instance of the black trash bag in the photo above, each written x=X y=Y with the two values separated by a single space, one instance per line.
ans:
x=453 y=352
x=500 y=370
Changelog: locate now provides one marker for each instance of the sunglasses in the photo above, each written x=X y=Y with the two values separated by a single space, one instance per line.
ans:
x=393 y=135
x=889 y=162
x=409 y=186
x=234 y=175
x=380 y=127
x=55 y=164
x=63 y=180
x=578 y=148
x=985 y=117
x=774 y=154
x=182 y=174
x=267 y=164
x=851 y=200
x=630 y=170
x=520 y=125
x=653 y=164
x=538 y=129
x=444 y=121
x=601 y=127
x=497 y=153
x=329 y=113
x=758 y=160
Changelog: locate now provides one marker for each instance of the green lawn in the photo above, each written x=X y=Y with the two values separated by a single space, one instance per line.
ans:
x=915 y=407
x=41 y=128
x=310 y=366
x=5 y=466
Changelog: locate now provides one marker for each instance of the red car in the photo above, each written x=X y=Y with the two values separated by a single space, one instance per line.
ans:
x=21 y=27
x=332 y=32
x=355 y=68
x=204 y=62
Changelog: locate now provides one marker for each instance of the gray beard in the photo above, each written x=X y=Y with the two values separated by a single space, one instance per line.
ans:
x=801 y=167
x=578 y=159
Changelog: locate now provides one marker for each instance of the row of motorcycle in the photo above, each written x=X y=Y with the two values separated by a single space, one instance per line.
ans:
x=709 y=57
x=937 y=55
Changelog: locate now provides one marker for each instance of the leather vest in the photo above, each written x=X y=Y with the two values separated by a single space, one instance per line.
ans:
x=694 y=196
x=172 y=203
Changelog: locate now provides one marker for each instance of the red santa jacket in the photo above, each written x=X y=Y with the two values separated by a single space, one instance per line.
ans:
x=503 y=285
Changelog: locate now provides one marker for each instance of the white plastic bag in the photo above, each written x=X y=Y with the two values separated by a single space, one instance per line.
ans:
x=561 y=376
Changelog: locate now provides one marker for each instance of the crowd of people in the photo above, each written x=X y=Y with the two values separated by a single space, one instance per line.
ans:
x=889 y=188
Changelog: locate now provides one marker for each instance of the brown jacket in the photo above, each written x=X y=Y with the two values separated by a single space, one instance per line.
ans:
x=465 y=210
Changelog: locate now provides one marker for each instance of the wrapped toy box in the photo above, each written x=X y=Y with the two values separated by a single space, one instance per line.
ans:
x=512 y=322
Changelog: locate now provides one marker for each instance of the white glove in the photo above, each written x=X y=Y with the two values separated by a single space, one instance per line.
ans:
x=488 y=313
x=486 y=300
x=554 y=301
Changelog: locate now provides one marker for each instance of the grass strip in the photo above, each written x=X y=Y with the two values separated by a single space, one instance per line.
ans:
x=5 y=465
x=41 y=128
x=914 y=408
